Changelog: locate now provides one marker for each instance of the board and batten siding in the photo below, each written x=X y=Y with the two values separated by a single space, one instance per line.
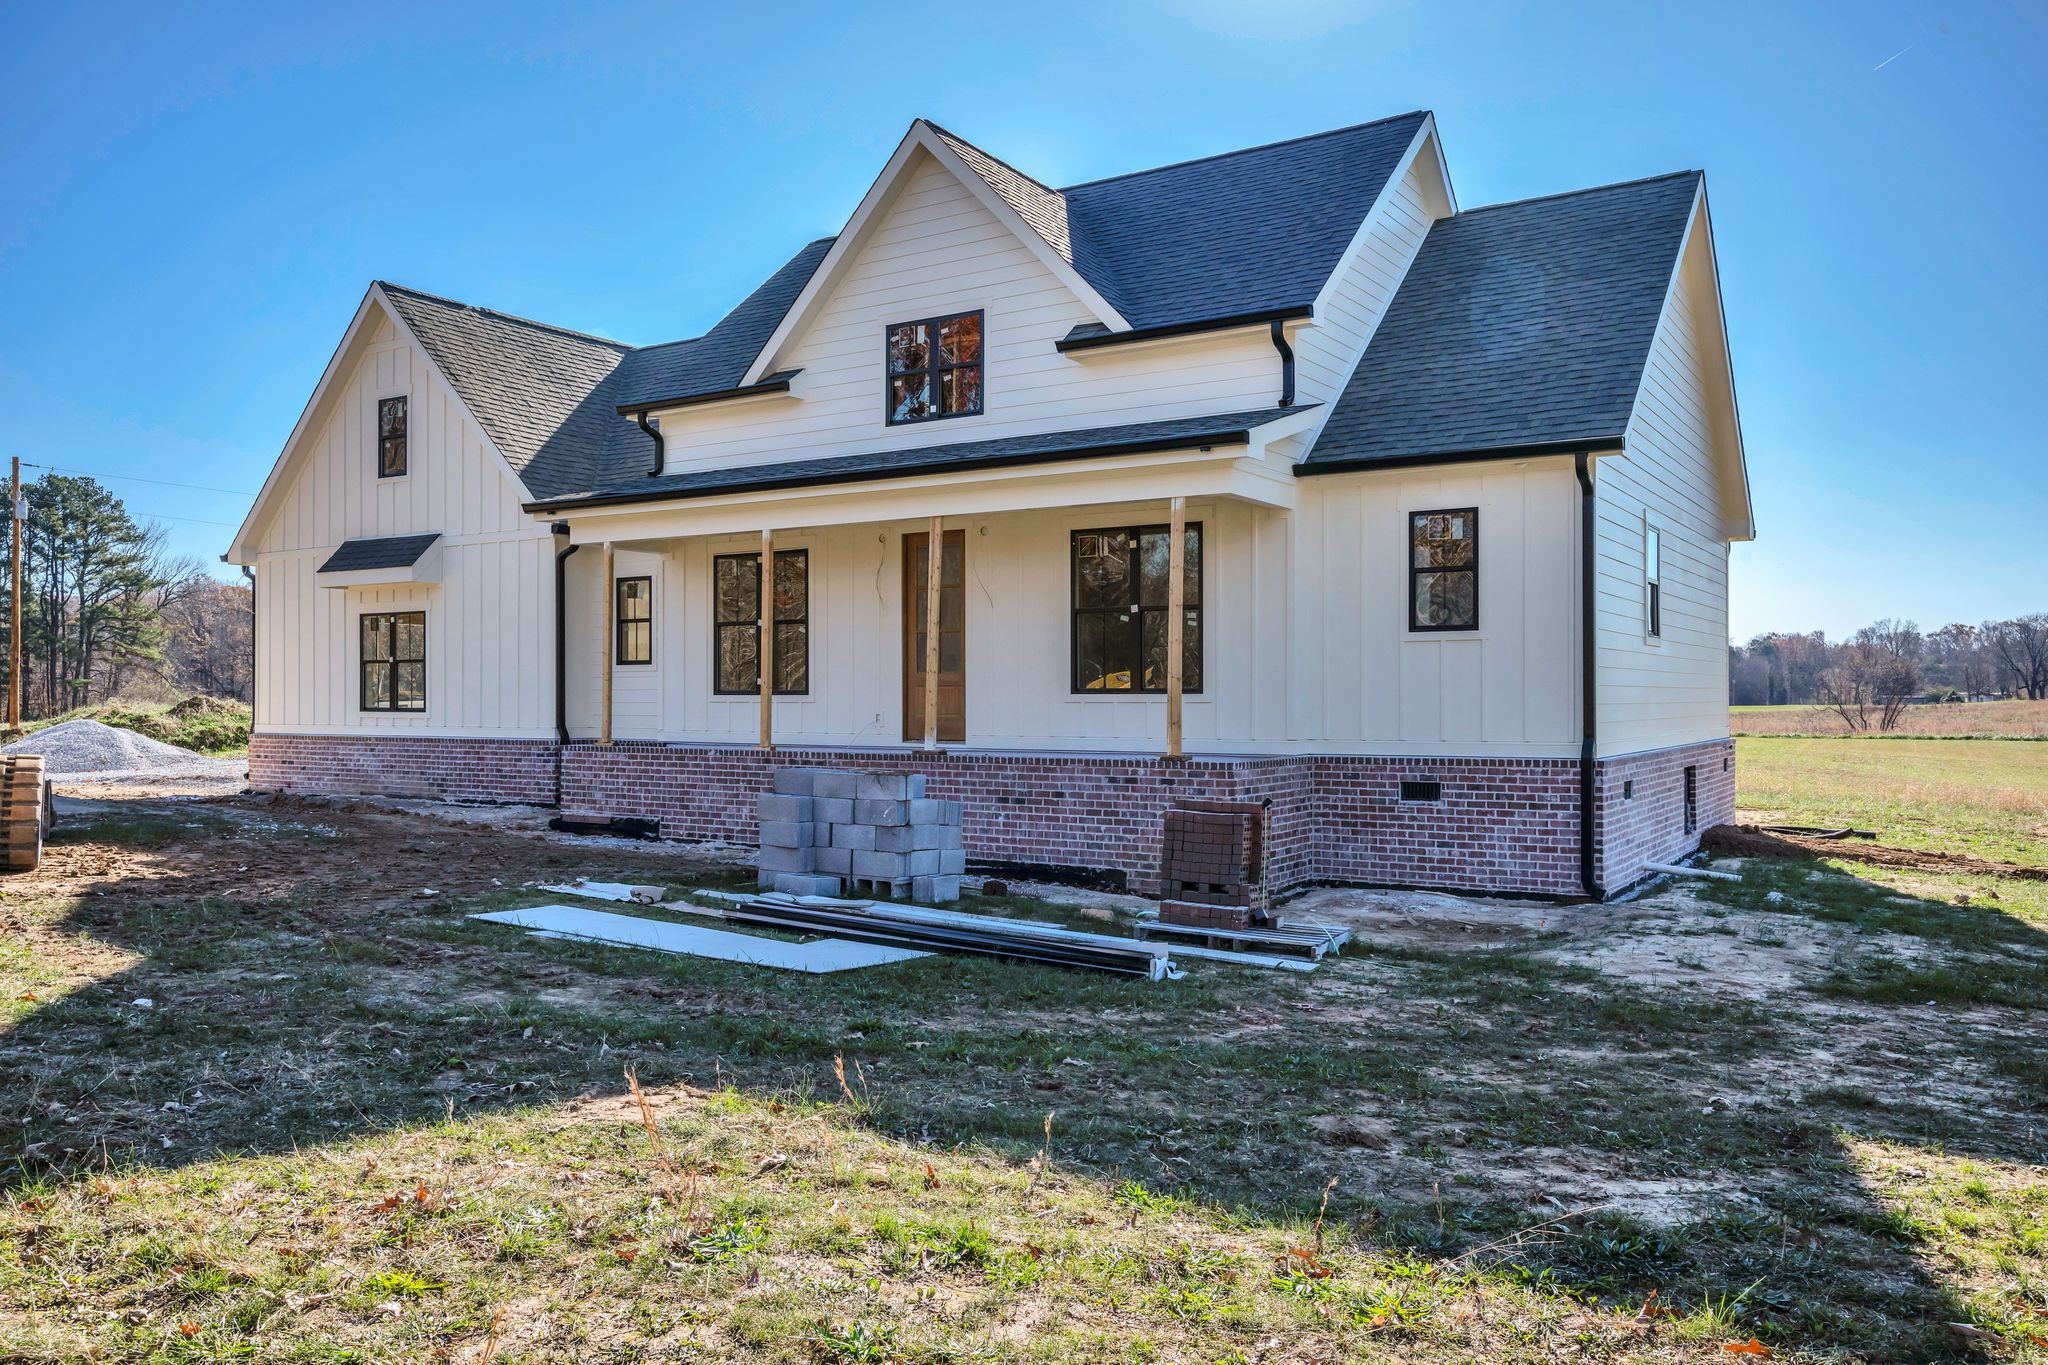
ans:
x=1306 y=646
x=1655 y=693
x=490 y=644
x=934 y=250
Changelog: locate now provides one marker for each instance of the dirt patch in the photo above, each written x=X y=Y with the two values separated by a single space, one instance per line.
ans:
x=1744 y=841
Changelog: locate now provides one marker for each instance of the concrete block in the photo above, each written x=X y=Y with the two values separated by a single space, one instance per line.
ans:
x=952 y=861
x=872 y=811
x=832 y=810
x=879 y=866
x=882 y=787
x=855 y=837
x=923 y=862
x=914 y=787
x=928 y=812
x=934 y=890
x=837 y=861
x=834 y=783
x=935 y=836
x=786 y=859
x=788 y=833
x=895 y=838
x=780 y=807
x=806 y=884
x=795 y=781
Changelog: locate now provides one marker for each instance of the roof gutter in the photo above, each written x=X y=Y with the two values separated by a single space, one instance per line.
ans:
x=1094 y=341
x=1589 y=697
x=563 y=549
x=653 y=430
x=1584 y=445
x=1286 y=362
x=774 y=383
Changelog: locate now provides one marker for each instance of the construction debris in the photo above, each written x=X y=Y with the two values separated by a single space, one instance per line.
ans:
x=1229 y=944
x=823 y=830
x=691 y=940
x=1681 y=870
x=608 y=891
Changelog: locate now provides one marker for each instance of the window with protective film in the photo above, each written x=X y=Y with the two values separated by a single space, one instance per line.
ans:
x=1120 y=579
x=935 y=368
x=1443 y=569
x=394 y=661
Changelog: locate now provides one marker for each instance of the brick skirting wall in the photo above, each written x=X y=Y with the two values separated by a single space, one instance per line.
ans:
x=1501 y=825
x=1649 y=826
x=513 y=770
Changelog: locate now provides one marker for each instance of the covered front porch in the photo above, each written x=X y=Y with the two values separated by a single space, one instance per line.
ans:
x=1102 y=606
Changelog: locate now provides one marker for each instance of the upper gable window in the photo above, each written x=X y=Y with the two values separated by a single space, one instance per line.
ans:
x=390 y=437
x=934 y=368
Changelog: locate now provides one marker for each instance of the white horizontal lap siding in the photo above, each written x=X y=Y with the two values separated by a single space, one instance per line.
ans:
x=490 y=612
x=936 y=250
x=1672 y=690
x=1369 y=684
x=1326 y=353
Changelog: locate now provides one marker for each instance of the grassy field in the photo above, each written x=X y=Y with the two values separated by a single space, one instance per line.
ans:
x=1986 y=798
x=270 y=1096
x=1962 y=720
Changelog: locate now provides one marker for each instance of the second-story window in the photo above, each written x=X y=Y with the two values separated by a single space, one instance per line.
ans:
x=390 y=437
x=934 y=368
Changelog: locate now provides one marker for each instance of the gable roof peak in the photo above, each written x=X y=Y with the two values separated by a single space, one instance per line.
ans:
x=1412 y=114
x=390 y=288
x=1588 y=190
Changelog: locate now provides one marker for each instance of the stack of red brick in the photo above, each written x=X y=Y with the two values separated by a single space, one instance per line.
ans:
x=1212 y=864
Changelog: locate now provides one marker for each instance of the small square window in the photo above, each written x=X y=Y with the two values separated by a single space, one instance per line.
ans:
x=391 y=455
x=935 y=368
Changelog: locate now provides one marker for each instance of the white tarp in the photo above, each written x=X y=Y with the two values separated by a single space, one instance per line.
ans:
x=691 y=940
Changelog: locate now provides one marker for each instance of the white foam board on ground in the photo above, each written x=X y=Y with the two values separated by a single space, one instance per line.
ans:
x=690 y=940
x=597 y=891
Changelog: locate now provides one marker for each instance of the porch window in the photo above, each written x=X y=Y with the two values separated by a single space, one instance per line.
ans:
x=1443 y=569
x=390 y=437
x=394 y=661
x=633 y=620
x=736 y=616
x=1119 y=585
x=934 y=368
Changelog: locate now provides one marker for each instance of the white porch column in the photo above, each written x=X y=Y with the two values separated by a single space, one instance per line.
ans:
x=767 y=650
x=934 y=558
x=611 y=626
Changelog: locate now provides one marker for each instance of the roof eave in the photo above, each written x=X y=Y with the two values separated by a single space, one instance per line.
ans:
x=773 y=384
x=1523 y=450
x=1298 y=312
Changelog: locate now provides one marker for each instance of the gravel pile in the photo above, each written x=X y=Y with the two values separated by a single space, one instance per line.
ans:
x=86 y=746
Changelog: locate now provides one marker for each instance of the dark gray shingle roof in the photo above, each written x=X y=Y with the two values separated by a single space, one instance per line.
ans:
x=1230 y=428
x=1518 y=324
x=379 y=552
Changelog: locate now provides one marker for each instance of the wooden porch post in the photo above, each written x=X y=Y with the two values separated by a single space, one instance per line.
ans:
x=1176 y=619
x=934 y=559
x=604 y=720
x=767 y=650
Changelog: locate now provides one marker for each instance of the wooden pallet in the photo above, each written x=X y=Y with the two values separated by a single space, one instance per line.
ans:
x=25 y=810
x=1283 y=936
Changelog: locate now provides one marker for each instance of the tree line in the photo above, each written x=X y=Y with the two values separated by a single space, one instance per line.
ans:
x=1873 y=675
x=107 y=611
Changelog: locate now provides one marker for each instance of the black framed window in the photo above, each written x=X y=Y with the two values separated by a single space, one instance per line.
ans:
x=633 y=620
x=736 y=619
x=390 y=437
x=1653 y=581
x=1443 y=569
x=1120 y=579
x=934 y=368
x=394 y=661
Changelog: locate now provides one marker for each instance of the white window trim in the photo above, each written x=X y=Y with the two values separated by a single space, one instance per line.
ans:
x=1652 y=526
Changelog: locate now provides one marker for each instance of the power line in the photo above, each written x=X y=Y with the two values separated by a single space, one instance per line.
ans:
x=137 y=478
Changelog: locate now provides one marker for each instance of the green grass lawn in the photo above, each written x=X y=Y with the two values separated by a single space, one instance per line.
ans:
x=1987 y=798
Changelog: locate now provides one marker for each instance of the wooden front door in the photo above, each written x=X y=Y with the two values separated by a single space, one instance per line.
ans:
x=952 y=680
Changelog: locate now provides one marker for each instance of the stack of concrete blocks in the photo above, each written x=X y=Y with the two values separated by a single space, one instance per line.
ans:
x=824 y=830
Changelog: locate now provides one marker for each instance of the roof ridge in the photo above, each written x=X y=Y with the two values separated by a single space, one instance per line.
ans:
x=1242 y=151
x=1589 y=189
x=507 y=317
x=944 y=131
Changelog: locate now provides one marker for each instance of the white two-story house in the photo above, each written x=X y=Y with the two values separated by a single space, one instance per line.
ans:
x=1269 y=476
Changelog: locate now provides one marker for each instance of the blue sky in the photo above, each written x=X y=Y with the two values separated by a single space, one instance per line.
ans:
x=196 y=200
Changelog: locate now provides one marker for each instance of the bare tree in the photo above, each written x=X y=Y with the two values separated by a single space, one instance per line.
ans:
x=2019 y=649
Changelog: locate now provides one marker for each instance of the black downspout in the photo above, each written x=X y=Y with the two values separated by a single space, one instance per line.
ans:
x=653 y=430
x=1588 y=698
x=1286 y=362
x=250 y=574
x=561 y=528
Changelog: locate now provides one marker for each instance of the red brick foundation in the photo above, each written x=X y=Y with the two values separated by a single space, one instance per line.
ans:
x=1648 y=824
x=512 y=770
x=1500 y=824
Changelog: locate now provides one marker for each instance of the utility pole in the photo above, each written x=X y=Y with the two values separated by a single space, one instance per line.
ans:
x=14 y=603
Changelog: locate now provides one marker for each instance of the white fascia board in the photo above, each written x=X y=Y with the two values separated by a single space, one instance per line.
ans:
x=1739 y=523
x=239 y=551
x=854 y=235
